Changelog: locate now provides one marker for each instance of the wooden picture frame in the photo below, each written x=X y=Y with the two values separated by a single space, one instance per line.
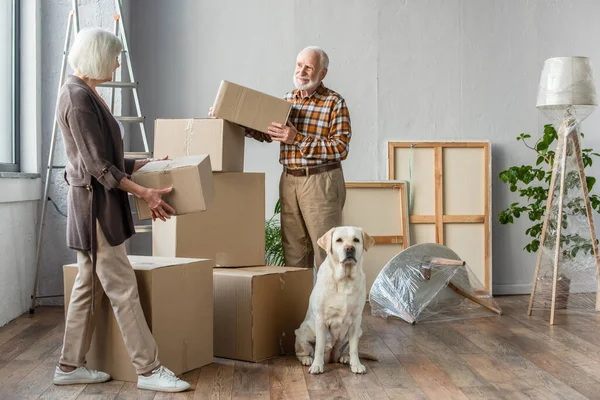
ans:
x=380 y=208
x=449 y=196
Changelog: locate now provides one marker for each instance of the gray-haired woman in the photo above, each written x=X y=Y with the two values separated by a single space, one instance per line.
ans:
x=99 y=218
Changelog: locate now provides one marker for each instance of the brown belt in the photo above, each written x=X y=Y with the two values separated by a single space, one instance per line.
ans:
x=307 y=171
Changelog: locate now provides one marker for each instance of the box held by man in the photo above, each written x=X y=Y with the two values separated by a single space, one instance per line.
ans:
x=250 y=108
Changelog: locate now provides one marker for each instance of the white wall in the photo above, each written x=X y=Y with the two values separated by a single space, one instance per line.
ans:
x=409 y=70
x=20 y=192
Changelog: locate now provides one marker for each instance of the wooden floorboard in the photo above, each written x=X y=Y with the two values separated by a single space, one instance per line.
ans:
x=512 y=356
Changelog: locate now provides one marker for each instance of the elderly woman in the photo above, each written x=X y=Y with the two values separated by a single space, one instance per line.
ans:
x=99 y=219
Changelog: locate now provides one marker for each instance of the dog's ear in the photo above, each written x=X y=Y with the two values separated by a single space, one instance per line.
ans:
x=325 y=240
x=368 y=241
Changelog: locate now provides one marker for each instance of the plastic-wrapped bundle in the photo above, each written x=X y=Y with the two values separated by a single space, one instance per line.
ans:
x=429 y=282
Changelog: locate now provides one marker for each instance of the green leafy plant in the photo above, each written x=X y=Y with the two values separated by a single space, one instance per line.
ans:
x=532 y=182
x=273 y=243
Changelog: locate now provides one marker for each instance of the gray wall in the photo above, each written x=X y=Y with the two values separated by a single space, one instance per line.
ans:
x=409 y=70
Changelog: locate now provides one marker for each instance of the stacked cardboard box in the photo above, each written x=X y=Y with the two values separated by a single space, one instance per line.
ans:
x=256 y=307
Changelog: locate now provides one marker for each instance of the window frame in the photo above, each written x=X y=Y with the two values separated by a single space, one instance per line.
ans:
x=14 y=166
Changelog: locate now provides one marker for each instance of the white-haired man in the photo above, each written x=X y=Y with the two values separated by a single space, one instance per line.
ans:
x=315 y=140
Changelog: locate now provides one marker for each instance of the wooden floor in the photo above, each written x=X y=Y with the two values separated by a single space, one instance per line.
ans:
x=512 y=357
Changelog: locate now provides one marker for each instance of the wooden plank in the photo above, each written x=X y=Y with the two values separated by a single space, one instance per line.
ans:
x=106 y=391
x=129 y=391
x=439 y=195
x=431 y=379
x=487 y=188
x=388 y=239
x=391 y=161
x=422 y=219
x=287 y=379
x=375 y=184
x=405 y=212
x=464 y=219
x=426 y=144
x=14 y=327
x=250 y=380
x=448 y=219
x=215 y=380
x=406 y=394
x=25 y=339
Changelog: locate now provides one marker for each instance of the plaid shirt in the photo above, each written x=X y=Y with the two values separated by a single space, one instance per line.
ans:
x=323 y=124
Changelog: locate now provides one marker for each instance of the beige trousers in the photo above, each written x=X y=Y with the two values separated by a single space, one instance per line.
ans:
x=116 y=277
x=310 y=206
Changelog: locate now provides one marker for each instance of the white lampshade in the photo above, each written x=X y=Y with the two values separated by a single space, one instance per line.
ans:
x=567 y=83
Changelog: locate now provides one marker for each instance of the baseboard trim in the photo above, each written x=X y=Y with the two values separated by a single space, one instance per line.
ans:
x=517 y=288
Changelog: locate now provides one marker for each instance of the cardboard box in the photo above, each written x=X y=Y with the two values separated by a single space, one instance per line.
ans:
x=223 y=141
x=258 y=309
x=249 y=108
x=231 y=231
x=177 y=298
x=191 y=179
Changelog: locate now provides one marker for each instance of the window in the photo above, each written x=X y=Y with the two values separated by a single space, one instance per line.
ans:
x=9 y=84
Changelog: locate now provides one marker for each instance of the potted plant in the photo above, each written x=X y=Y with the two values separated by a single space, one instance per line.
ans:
x=532 y=183
x=273 y=244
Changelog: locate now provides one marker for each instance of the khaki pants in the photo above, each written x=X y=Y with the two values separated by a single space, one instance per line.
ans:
x=115 y=275
x=310 y=206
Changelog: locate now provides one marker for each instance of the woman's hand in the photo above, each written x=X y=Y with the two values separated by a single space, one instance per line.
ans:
x=158 y=207
x=139 y=163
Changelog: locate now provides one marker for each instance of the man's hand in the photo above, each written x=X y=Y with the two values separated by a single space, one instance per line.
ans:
x=141 y=162
x=283 y=133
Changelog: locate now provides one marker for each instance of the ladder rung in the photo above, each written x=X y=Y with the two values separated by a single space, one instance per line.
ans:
x=119 y=84
x=130 y=119
x=143 y=228
x=137 y=154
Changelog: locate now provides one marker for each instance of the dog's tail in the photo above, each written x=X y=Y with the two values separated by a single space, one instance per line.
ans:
x=367 y=356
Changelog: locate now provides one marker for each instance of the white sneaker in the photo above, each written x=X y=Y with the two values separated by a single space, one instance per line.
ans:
x=79 y=375
x=162 y=380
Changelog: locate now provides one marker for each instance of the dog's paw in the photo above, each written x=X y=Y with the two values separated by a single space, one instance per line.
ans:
x=345 y=360
x=305 y=360
x=316 y=369
x=358 y=368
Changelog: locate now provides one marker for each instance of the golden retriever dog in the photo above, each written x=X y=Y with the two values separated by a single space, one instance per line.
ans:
x=331 y=329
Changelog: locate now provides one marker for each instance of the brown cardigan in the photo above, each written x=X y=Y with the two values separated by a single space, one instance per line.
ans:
x=94 y=148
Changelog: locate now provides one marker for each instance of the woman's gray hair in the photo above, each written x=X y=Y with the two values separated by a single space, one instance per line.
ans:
x=323 y=57
x=94 y=52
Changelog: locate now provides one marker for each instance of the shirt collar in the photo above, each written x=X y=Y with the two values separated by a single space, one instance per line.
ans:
x=317 y=94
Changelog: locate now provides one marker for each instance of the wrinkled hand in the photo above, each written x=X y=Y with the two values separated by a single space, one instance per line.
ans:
x=283 y=133
x=158 y=207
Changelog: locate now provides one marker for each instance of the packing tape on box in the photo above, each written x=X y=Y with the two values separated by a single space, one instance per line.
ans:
x=189 y=132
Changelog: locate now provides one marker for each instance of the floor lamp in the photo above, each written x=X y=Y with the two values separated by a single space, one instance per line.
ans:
x=567 y=95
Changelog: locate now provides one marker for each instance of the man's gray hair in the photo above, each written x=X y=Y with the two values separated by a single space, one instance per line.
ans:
x=94 y=52
x=323 y=57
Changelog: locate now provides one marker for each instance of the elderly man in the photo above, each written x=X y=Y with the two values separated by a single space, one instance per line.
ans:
x=313 y=143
